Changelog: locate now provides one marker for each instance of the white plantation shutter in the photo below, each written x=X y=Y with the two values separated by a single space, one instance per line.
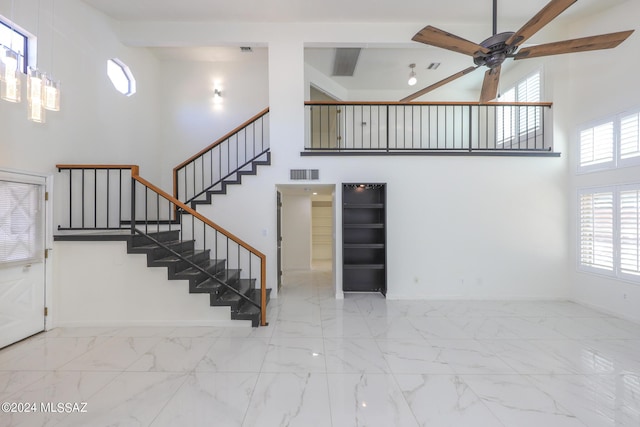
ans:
x=514 y=121
x=21 y=219
x=505 y=117
x=629 y=140
x=596 y=230
x=629 y=232
x=596 y=145
x=529 y=91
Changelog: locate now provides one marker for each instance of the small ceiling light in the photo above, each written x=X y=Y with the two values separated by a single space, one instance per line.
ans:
x=412 y=75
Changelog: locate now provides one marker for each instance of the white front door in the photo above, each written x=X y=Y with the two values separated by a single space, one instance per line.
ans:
x=22 y=260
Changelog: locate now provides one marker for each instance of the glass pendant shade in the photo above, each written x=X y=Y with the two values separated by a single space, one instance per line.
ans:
x=51 y=94
x=10 y=81
x=35 y=96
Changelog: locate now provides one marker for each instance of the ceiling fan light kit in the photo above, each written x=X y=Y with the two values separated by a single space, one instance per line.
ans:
x=493 y=51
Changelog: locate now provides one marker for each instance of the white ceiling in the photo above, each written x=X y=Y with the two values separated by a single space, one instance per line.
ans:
x=377 y=68
x=395 y=11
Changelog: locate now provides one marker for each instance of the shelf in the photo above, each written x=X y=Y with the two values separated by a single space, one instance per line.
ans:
x=364 y=206
x=364 y=266
x=364 y=245
x=363 y=225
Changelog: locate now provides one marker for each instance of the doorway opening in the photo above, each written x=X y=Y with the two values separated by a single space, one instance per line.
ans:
x=306 y=230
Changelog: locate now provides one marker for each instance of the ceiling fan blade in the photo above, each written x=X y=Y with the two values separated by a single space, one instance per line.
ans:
x=435 y=37
x=438 y=84
x=490 y=85
x=542 y=18
x=603 y=41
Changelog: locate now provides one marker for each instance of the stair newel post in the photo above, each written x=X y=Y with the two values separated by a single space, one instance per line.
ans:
x=134 y=174
x=263 y=291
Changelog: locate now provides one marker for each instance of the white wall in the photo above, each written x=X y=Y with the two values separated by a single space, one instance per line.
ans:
x=99 y=284
x=600 y=86
x=190 y=120
x=296 y=232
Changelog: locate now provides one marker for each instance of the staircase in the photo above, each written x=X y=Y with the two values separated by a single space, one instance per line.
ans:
x=220 y=187
x=205 y=275
x=169 y=230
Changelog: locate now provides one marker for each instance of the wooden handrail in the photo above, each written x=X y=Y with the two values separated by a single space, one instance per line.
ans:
x=96 y=166
x=221 y=139
x=506 y=104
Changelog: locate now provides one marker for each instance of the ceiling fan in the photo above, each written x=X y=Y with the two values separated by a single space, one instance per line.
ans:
x=493 y=51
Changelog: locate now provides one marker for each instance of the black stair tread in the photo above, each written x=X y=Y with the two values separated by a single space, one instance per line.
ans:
x=250 y=311
x=227 y=274
x=206 y=265
x=150 y=246
x=231 y=297
x=187 y=255
x=256 y=296
x=209 y=285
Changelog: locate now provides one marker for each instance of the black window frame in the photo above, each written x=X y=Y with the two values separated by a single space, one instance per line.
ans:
x=22 y=59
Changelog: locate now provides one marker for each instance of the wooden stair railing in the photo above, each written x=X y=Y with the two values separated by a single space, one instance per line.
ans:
x=156 y=210
x=222 y=159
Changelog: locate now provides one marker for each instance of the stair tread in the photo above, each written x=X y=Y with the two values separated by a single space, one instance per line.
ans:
x=187 y=255
x=170 y=244
x=230 y=296
x=192 y=271
x=226 y=274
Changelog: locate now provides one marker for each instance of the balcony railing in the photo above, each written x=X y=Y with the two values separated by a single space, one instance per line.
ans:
x=428 y=128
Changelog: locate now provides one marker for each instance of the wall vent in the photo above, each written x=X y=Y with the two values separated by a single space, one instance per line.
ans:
x=305 y=174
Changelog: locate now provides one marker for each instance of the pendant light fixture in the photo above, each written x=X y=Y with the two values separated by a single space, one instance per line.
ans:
x=35 y=110
x=52 y=86
x=35 y=96
x=412 y=75
x=10 y=82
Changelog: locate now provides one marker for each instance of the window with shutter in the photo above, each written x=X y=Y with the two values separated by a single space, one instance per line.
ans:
x=515 y=123
x=629 y=219
x=596 y=146
x=629 y=137
x=596 y=231
x=21 y=213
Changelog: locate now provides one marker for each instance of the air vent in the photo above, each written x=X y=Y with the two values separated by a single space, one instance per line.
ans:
x=246 y=49
x=345 y=60
x=433 y=66
x=305 y=174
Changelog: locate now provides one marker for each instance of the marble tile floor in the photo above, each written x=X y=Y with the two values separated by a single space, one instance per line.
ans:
x=361 y=361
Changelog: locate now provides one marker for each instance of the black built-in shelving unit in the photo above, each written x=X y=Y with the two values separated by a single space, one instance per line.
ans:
x=364 y=255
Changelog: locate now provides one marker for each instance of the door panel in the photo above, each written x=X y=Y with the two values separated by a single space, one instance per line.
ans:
x=22 y=263
x=21 y=302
